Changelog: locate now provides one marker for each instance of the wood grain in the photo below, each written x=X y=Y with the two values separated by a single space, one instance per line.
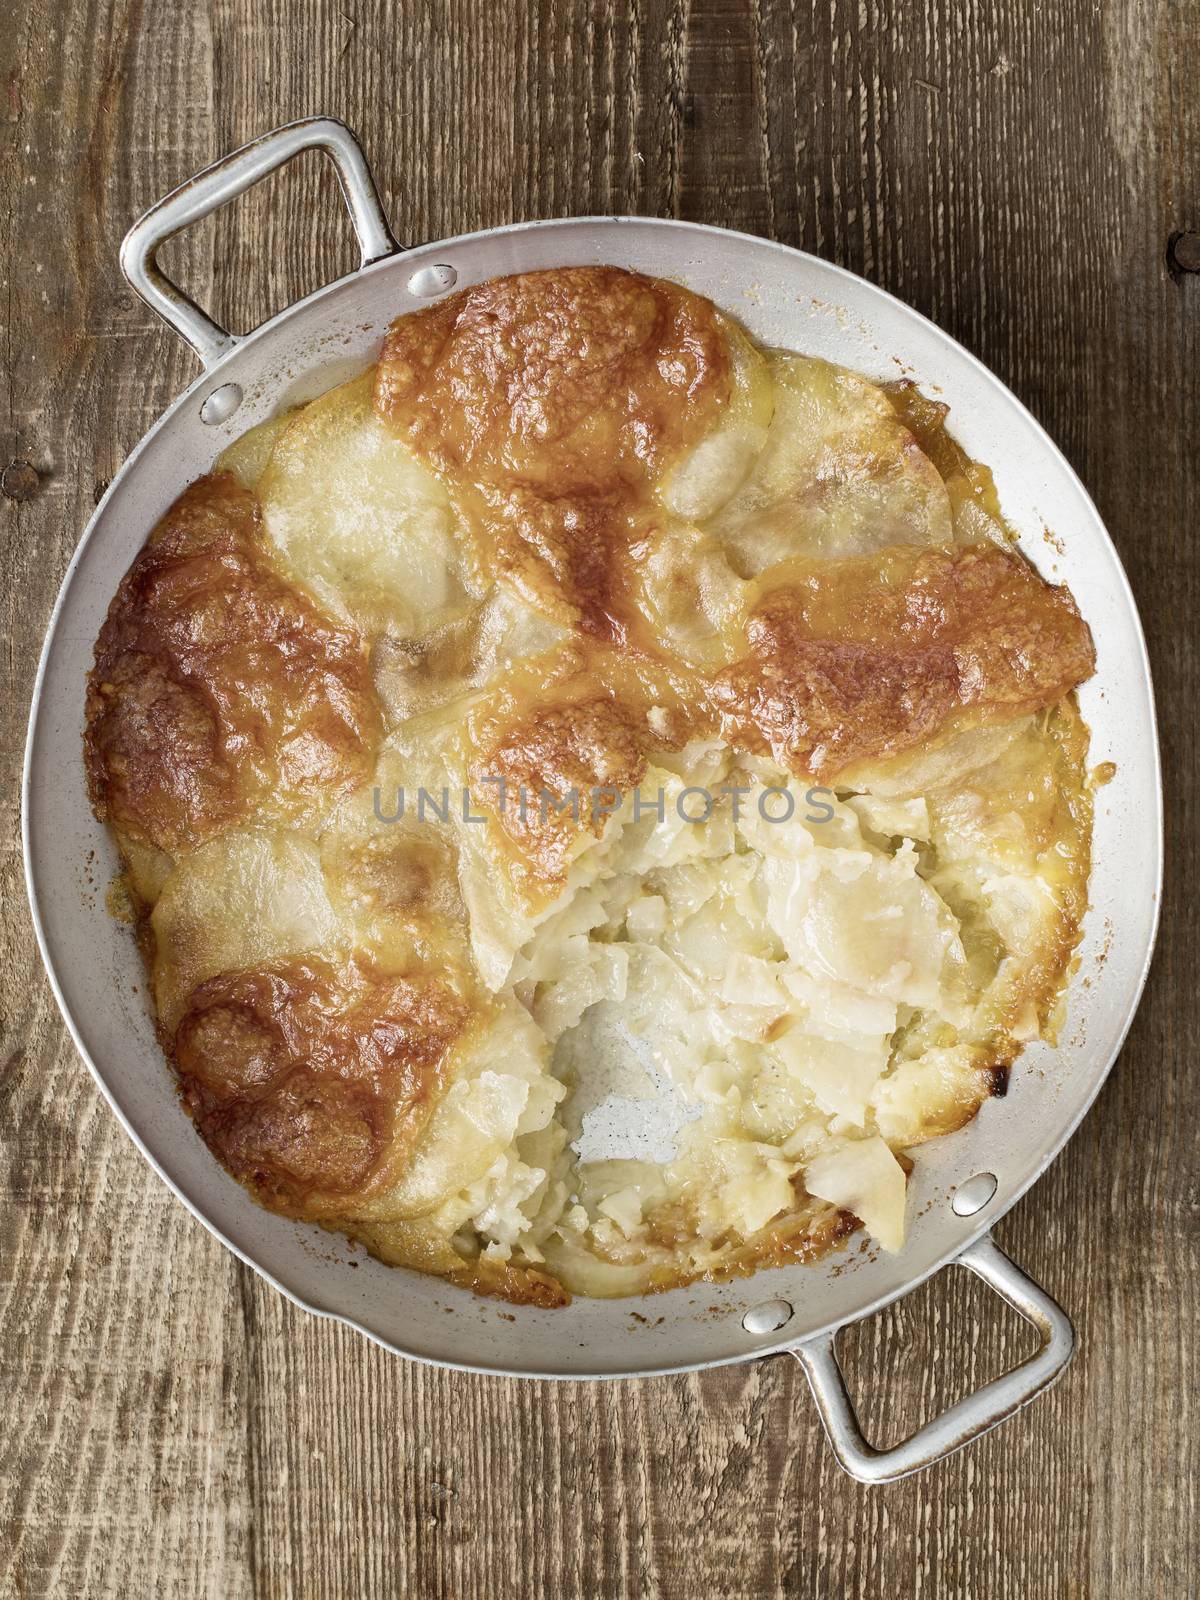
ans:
x=171 y=1426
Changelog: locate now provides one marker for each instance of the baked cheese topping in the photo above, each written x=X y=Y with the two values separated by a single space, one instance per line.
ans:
x=596 y=794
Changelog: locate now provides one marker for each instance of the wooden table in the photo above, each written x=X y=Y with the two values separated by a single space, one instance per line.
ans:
x=173 y=1427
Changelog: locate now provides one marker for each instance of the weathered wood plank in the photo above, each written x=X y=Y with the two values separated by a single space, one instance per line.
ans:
x=172 y=1426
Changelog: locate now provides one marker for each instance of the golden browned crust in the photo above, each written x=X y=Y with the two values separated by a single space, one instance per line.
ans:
x=873 y=655
x=1057 y=801
x=310 y=1082
x=409 y=1244
x=559 y=773
x=550 y=401
x=810 y=1230
x=219 y=692
x=518 y=1285
x=813 y=1230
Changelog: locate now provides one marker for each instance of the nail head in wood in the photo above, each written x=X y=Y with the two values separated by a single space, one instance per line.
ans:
x=19 y=481
x=1183 y=252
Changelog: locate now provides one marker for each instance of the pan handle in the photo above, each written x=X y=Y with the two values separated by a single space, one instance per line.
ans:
x=216 y=186
x=970 y=1417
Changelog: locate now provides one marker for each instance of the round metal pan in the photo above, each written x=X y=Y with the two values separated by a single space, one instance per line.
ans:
x=785 y=298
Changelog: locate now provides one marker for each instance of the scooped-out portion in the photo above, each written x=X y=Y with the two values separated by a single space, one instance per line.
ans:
x=597 y=795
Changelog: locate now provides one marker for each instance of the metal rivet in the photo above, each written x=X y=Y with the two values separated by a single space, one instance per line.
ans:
x=974 y=1194
x=768 y=1317
x=428 y=281
x=221 y=404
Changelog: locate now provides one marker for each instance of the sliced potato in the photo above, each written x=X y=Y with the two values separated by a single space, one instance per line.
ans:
x=839 y=475
x=359 y=520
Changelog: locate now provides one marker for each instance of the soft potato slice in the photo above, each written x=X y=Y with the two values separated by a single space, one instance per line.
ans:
x=248 y=456
x=251 y=896
x=714 y=469
x=838 y=475
x=361 y=521
x=862 y=1176
x=500 y=1090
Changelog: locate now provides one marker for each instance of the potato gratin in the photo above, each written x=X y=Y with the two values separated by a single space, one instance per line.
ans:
x=585 y=712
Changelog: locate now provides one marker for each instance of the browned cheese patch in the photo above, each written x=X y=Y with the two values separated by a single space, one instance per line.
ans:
x=557 y=774
x=220 y=692
x=550 y=402
x=873 y=655
x=311 y=1082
